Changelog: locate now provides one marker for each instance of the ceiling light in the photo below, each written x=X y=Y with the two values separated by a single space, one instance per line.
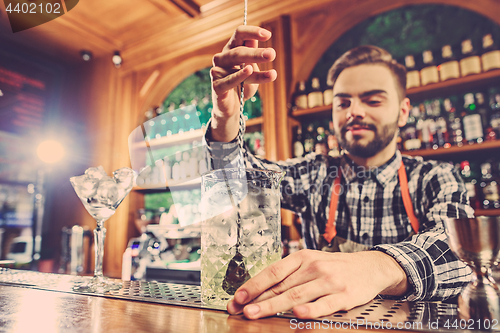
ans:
x=86 y=55
x=117 y=59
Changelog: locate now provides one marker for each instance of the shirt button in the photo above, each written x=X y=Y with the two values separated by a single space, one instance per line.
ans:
x=366 y=199
x=365 y=236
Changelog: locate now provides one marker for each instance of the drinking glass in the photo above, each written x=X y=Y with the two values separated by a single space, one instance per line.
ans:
x=101 y=195
x=240 y=230
x=476 y=241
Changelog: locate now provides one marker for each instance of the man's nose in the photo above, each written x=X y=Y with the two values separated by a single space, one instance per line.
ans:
x=356 y=110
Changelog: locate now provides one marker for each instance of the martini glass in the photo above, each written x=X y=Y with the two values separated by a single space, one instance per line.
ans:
x=101 y=195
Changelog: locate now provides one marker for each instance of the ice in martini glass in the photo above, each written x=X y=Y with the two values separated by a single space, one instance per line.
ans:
x=101 y=195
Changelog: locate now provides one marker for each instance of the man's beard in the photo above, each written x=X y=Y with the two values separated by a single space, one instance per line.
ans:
x=382 y=137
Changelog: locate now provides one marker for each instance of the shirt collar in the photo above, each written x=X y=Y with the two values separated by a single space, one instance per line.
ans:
x=383 y=174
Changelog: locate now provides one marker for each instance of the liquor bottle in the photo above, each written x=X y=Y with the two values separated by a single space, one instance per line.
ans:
x=300 y=98
x=470 y=63
x=441 y=136
x=495 y=111
x=455 y=132
x=409 y=133
x=470 y=184
x=309 y=139
x=490 y=57
x=149 y=124
x=298 y=145
x=490 y=187
x=184 y=165
x=328 y=96
x=321 y=146
x=412 y=73
x=167 y=168
x=176 y=168
x=333 y=145
x=205 y=107
x=429 y=72
x=315 y=96
x=449 y=68
x=259 y=148
x=193 y=164
x=202 y=161
x=483 y=110
x=471 y=120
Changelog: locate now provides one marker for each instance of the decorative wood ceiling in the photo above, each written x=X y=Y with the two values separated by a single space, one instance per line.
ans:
x=142 y=30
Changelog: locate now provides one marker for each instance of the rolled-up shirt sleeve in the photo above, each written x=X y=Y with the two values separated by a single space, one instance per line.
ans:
x=433 y=270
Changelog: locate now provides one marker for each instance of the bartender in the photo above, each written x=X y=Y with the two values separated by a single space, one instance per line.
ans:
x=376 y=215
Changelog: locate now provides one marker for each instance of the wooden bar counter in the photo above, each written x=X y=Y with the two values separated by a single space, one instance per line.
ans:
x=30 y=310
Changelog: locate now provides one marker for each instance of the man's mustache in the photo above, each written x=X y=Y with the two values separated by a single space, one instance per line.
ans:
x=360 y=123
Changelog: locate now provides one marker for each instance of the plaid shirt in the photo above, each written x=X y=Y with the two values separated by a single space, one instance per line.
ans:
x=371 y=211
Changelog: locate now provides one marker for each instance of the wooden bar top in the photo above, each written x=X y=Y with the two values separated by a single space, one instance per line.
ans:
x=31 y=310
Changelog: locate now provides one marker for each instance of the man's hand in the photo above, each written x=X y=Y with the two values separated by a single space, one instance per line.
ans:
x=237 y=63
x=315 y=284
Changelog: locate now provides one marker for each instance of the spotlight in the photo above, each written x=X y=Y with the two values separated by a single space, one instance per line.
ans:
x=1 y=93
x=86 y=55
x=117 y=59
x=50 y=151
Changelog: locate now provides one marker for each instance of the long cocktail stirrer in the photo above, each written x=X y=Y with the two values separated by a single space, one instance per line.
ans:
x=236 y=273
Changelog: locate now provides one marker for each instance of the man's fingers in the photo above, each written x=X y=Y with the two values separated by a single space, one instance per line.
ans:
x=292 y=297
x=267 y=278
x=230 y=81
x=295 y=279
x=223 y=81
x=243 y=55
x=245 y=33
x=323 y=306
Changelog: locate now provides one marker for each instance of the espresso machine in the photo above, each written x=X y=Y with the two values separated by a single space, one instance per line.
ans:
x=165 y=253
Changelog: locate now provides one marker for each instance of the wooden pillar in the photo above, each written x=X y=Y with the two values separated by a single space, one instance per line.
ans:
x=274 y=96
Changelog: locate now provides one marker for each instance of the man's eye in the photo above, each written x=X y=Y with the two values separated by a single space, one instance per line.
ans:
x=344 y=105
x=373 y=102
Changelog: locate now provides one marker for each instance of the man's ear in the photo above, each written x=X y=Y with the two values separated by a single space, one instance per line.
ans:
x=404 y=111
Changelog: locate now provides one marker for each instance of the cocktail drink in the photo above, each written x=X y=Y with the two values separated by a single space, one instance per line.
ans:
x=101 y=195
x=241 y=229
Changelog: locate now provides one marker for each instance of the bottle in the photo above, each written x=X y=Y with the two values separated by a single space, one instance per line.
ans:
x=321 y=146
x=412 y=73
x=328 y=96
x=490 y=57
x=333 y=145
x=300 y=98
x=160 y=122
x=471 y=120
x=259 y=147
x=149 y=124
x=482 y=110
x=193 y=164
x=315 y=96
x=470 y=62
x=167 y=168
x=449 y=68
x=494 y=121
x=409 y=133
x=489 y=186
x=429 y=72
x=455 y=133
x=309 y=139
x=298 y=145
x=176 y=168
x=184 y=165
x=470 y=184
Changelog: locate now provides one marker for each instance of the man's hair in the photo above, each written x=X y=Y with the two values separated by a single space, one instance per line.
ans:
x=369 y=54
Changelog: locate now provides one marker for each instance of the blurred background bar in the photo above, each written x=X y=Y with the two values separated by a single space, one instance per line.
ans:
x=127 y=83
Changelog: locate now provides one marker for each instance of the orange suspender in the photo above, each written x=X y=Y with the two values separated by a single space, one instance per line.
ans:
x=331 y=231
